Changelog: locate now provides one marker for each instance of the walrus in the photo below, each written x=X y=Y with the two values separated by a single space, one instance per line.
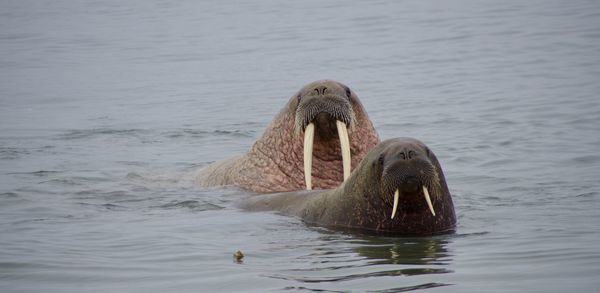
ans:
x=313 y=142
x=398 y=188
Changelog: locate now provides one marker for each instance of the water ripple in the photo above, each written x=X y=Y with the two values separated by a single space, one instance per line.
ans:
x=390 y=290
x=91 y=133
x=192 y=205
x=195 y=133
x=388 y=273
x=12 y=153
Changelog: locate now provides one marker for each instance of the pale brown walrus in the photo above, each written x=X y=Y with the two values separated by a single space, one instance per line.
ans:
x=398 y=188
x=313 y=142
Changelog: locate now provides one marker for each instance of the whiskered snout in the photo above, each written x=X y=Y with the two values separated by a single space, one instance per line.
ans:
x=409 y=174
x=335 y=107
x=320 y=107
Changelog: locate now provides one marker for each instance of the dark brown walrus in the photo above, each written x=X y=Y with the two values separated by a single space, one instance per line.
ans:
x=398 y=188
x=314 y=141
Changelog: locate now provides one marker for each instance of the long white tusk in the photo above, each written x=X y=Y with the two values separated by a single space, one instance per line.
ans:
x=309 y=135
x=396 y=195
x=345 y=143
x=426 y=192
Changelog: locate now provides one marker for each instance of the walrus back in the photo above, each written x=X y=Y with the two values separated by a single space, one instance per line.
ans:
x=218 y=173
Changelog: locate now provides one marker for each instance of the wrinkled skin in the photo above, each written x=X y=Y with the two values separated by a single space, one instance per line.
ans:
x=274 y=163
x=364 y=202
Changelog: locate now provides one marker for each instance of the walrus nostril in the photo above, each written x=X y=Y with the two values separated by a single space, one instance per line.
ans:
x=411 y=154
x=407 y=155
x=320 y=90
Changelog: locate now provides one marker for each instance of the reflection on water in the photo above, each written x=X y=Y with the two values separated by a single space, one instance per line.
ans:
x=408 y=251
x=356 y=258
x=390 y=290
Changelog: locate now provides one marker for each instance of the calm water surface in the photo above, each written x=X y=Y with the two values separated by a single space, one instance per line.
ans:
x=107 y=108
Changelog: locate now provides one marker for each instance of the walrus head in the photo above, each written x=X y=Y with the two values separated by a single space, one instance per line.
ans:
x=325 y=108
x=408 y=174
x=399 y=188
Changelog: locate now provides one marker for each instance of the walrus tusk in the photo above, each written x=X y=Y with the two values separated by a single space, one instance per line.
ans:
x=426 y=192
x=309 y=135
x=396 y=195
x=345 y=143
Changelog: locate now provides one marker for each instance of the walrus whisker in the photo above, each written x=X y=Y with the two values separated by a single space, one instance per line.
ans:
x=337 y=107
x=396 y=196
x=309 y=135
x=428 y=200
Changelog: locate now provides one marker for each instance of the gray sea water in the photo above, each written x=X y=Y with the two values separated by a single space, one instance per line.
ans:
x=107 y=108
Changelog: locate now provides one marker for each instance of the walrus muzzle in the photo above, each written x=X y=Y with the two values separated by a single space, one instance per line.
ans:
x=319 y=109
x=411 y=174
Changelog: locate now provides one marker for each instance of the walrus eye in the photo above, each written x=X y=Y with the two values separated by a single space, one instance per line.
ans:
x=378 y=163
x=348 y=92
x=427 y=151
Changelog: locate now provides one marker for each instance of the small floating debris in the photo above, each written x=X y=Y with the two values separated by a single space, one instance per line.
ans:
x=238 y=256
